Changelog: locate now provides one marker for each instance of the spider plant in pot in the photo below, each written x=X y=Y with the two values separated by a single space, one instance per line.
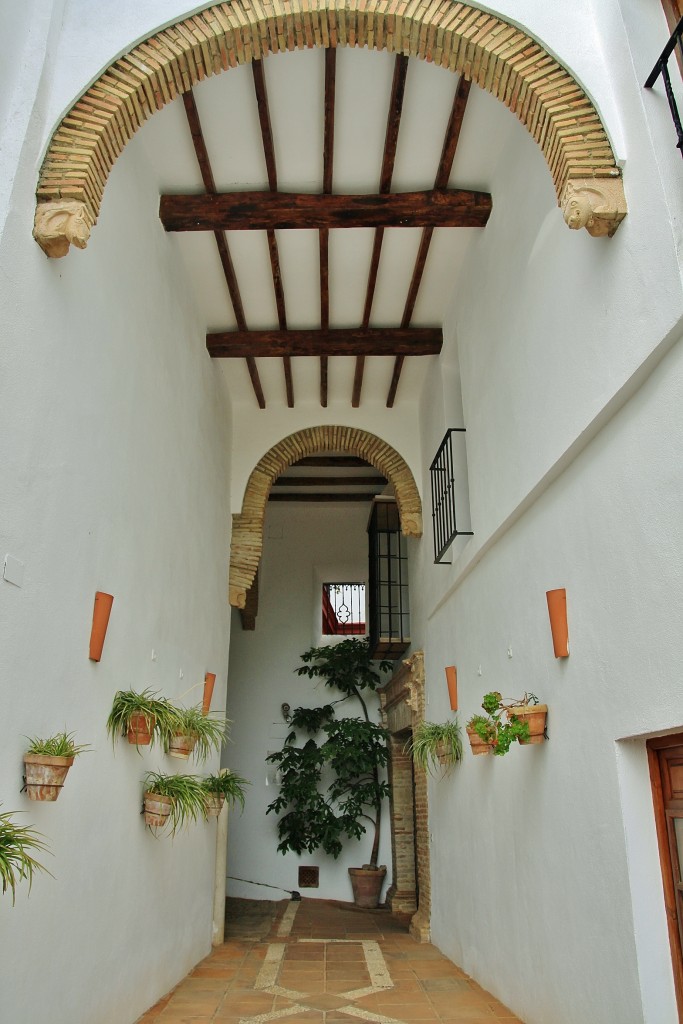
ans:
x=18 y=843
x=436 y=744
x=142 y=717
x=193 y=730
x=226 y=785
x=174 y=799
x=46 y=764
x=352 y=754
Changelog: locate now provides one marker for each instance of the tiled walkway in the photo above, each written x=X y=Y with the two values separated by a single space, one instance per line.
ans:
x=319 y=962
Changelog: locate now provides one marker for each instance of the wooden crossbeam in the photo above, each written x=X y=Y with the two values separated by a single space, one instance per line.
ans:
x=368 y=341
x=358 y=496
x=269 y=153
x=330 y=481
x=340 y=461
x=324 y=237
x=443 y=173
x=221 y=242
x=390 y=140
x=262 y=211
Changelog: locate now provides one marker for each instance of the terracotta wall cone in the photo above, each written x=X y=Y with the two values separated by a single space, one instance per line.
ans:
x=100 y=621
x=452 y=682
x=209 y=683
x=557 y=610
x=45 y=775
x=157 y=809
x=367 y=886
x=181 y=746
x=140 y=729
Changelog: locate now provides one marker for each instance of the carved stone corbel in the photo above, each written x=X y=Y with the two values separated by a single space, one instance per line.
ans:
x=596 y=204
x=60 y=223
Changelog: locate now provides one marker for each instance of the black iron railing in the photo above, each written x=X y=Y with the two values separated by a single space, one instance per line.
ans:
x=443 y=497
x=662 y=68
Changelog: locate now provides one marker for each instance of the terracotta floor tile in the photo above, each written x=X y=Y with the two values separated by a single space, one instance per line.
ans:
x=408 y=1011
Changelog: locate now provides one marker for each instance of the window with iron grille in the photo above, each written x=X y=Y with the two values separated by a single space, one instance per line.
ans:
x=389 y=610
x=343 y=609
x=443 y=478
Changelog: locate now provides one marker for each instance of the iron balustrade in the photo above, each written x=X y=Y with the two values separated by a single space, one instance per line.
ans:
x=444 y=521
x=662 y=68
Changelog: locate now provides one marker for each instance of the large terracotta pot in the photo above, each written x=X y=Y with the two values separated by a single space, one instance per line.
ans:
x=181 y=745
x=367 y=886
x=157 y=809
x=535 y=716
x=44 y=775
x=140 y=729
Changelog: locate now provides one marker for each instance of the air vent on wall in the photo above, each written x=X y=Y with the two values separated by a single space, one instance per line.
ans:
x=309 y=877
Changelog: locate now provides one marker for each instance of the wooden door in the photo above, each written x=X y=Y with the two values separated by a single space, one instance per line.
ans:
x=666 y=772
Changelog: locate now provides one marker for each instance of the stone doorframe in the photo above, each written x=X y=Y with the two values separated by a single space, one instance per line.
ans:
x=402 y=702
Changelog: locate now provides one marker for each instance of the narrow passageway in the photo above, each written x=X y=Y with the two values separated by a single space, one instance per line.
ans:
x=321 y=962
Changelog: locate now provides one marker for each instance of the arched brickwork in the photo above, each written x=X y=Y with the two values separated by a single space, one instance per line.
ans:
x=496 y=55
x=247 y=526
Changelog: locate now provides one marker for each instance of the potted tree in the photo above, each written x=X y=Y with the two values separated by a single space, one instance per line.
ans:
x=46 y=764
x=174 y=799
x=18 y=843
x=142 y=717
x=193 y=730
x=354 y=752
x=226 y=785
x=436 y=745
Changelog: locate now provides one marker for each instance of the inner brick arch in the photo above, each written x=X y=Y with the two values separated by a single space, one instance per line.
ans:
x=247 y=525
x=496 y=55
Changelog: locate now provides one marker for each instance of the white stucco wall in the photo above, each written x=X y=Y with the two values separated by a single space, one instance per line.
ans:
x=115 y=456
x=305 y=545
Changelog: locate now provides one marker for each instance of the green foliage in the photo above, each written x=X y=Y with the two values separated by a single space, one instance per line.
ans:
x=500 y=733
x=156 y=709
x=17 y=845
x=60 y=745
x=229 y=785
x=186 y=793
x=209 y=731
x=353 y=751
x=431 y=741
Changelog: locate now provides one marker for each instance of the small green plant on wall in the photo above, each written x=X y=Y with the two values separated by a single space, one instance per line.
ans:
x=227 y=785
x=142 y=717
x=18 y=843
x=436 y=745
x=194 y=731
x=174 y=799
x=524 y=722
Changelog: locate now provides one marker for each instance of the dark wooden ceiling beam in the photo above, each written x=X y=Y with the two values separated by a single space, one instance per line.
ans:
x=339 y=341
x=324 y=237
x=261 y=211
x=357 y=496
x=221 y=242
x=271 y=170
x=398 y=85
x=443 y=173
x=338 y=461
x=330 y=481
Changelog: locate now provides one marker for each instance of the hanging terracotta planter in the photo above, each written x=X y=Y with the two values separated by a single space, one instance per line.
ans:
x=100 y=621
x=478 y=745
x=157 y=809
x=141 y=729
x=214 y=804
x=452 y=682
x=535 y=717
x=44 y=775
x=181 y=745
x=367 y=886
x=557 y=610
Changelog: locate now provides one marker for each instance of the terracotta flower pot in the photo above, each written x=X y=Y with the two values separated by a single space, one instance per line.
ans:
x=367 y=886
x=157 y=809
x=214 y=804
x=181 y=745
x=535 y=716
x=45 y=775
x=140 y=729
x=478 y=745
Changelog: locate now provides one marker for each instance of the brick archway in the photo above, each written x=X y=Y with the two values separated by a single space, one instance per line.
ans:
x=247 y=525
x=496 y=55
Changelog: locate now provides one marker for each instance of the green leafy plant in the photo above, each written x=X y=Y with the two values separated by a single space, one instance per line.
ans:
x=209 y=732
x=17 y=845
x=229 y=785
x=354 y=750
x=186 y=793
x=60 y=745
x=501 y=732
x=159 y=714
x=434 y=745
